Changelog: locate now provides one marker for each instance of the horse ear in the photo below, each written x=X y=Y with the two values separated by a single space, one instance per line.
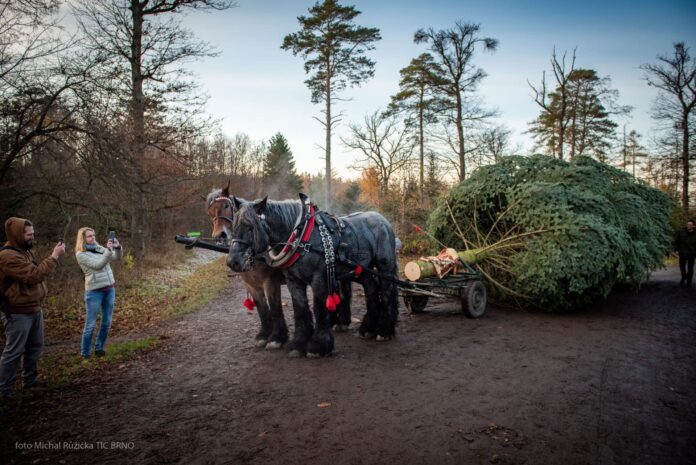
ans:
x=226 y=190
x=237 y=203
x=303 y=197
x=260 y=206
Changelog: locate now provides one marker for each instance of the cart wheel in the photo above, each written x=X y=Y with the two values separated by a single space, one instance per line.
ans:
x=415 y=303
x=474 y=300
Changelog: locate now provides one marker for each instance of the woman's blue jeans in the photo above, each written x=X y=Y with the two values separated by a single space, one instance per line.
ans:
x=94 y=301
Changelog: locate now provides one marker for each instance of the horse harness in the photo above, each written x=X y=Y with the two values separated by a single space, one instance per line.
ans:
x=299 y=245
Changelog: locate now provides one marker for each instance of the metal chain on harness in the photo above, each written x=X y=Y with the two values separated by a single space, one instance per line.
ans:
x=329 y=257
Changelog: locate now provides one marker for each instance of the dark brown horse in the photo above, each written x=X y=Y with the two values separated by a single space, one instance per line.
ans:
x=262 y=282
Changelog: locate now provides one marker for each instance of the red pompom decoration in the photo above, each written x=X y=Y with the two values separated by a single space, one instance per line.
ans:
x=358 y=270
x=330 y=304
x=337 y=299
x=418 y=229
x=249 y=304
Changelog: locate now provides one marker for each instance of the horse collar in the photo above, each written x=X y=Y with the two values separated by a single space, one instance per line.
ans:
x=299 y=239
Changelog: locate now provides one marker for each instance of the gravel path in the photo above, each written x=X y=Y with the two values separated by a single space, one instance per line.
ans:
x=611 y=385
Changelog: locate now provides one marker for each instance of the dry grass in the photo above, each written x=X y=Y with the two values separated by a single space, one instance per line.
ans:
x=166 y=284
x=144 y=291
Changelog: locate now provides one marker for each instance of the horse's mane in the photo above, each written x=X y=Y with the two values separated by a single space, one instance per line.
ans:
x=279 y=214
x=215 y=193
x=282 y=212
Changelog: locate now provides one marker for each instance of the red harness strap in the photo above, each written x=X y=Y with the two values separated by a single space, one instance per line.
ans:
x=305 y=238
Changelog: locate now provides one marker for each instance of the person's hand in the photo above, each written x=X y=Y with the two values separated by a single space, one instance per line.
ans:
x=117 y=244
x=58 y=250
x=110 y=244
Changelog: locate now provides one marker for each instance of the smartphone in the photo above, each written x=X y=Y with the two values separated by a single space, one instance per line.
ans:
x=112 y=235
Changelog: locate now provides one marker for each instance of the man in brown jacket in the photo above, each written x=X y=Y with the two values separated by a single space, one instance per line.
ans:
x=22 y=283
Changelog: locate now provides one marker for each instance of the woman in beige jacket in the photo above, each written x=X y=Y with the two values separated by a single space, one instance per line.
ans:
x=100 y=286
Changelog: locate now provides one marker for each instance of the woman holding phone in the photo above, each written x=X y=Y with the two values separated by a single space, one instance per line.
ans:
x=100 y=285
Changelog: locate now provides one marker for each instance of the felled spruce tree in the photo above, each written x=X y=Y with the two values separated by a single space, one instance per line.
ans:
x=556 y=235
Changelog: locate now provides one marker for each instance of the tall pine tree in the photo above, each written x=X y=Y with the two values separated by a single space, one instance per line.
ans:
x=418 y=101
x=453 y=50
x=280 y=179
x=334 y=49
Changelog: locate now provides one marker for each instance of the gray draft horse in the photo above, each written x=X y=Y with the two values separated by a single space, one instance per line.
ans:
x=263 y=282
x=263 y=227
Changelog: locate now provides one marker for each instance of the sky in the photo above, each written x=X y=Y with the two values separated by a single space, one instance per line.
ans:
x=257 y=88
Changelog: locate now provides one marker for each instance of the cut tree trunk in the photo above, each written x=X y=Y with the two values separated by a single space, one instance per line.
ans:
x=425 y=268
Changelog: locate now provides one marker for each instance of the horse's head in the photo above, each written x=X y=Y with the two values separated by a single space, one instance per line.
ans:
x=220 y=212
x=249 y=234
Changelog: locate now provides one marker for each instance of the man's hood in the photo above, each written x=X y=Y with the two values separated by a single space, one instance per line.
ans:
x=14 y=231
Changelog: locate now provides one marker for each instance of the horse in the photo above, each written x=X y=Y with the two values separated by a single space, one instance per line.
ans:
x=363 y=242
x=263 y=282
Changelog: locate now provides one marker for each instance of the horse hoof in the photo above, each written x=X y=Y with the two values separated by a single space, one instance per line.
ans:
x=260 y=343
x=274 y=345
x=313 y=355
x=383 y=338
x=340 y=328
x=295 y=354
x=367 y=335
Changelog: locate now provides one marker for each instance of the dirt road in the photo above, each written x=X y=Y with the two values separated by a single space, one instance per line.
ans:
x=611 y=385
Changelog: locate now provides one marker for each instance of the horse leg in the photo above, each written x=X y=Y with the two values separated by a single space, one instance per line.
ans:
x=368 y=327
x=304 y=327
x=386 y=325
x=322 y=341
x=279 y=329
x=264 y=315
x=340 y=319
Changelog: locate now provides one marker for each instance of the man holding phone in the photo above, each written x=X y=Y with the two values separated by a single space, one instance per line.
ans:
x=23 y=289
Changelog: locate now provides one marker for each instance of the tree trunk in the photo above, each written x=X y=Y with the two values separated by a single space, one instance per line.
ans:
x=421 y=147
x=685 y=166
x=573 y=130
x=561 y=123
x=460 y=136
x=625 y=158
x=138 y=115
x=419 y=269
x=328 y=144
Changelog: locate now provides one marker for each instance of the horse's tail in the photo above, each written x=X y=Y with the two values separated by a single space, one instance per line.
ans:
x=386 y=263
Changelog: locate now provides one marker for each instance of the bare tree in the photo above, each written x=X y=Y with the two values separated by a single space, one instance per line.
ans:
x=495 y=143
x=555 y=110
x=675 y=78
x=143 y=48
x=34 y=80
x=384 y=145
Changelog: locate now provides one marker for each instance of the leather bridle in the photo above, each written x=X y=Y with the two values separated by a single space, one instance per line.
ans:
x=222 y=198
